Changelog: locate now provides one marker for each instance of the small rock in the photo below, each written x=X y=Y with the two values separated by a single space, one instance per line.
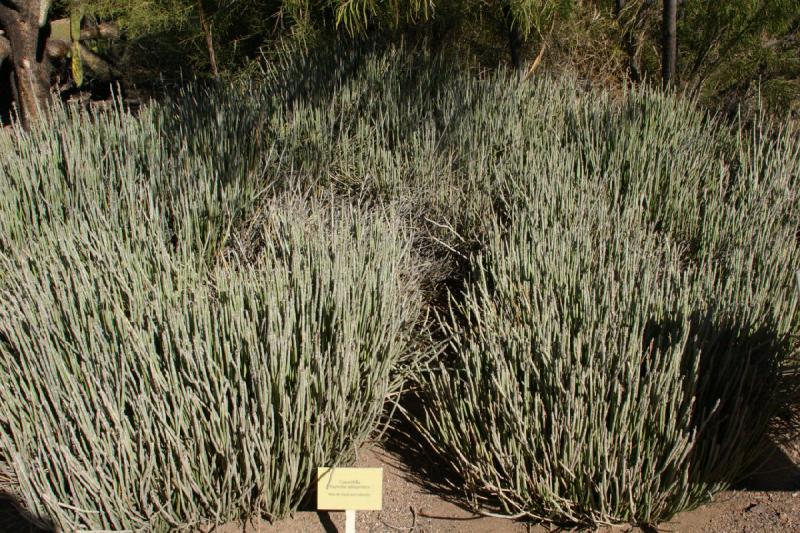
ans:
x=756 y=508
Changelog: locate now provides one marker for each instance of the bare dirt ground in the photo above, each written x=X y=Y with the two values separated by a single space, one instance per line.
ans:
x=769 y=501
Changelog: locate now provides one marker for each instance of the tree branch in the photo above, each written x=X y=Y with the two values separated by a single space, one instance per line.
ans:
x=102 y=69
x=6 y=14
x=56 y=48
x=30 y=11
x=10 y=4
x=104 y=30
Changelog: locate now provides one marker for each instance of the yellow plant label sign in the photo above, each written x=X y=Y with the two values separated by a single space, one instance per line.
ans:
x=356 y=489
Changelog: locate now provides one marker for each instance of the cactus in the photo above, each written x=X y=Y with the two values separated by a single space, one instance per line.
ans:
x=44 y=9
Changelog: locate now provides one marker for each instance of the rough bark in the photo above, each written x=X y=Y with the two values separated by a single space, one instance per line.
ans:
x=56 y=48
x=6 y=89
x=22 y=21
x=5 y=49
x=669 y=43
x=103 y=30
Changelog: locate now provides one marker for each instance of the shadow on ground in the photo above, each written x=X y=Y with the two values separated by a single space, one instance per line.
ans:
x=423 y=467
x=12 y=521
x=779 y=470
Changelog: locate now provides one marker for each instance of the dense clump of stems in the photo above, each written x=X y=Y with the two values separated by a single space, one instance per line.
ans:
x=202 y=303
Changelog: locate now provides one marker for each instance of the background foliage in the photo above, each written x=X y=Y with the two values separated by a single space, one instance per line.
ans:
x=730 y=53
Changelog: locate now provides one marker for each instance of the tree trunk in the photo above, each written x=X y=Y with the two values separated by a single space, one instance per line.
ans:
x=669 y=43
x=6 y=89
x=206 y=28
x=25 y=28
x=5 y=49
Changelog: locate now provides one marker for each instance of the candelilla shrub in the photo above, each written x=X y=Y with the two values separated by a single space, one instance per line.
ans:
x=630 y=330
x=190 y=172
x=181 y=343
x=140 y=391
